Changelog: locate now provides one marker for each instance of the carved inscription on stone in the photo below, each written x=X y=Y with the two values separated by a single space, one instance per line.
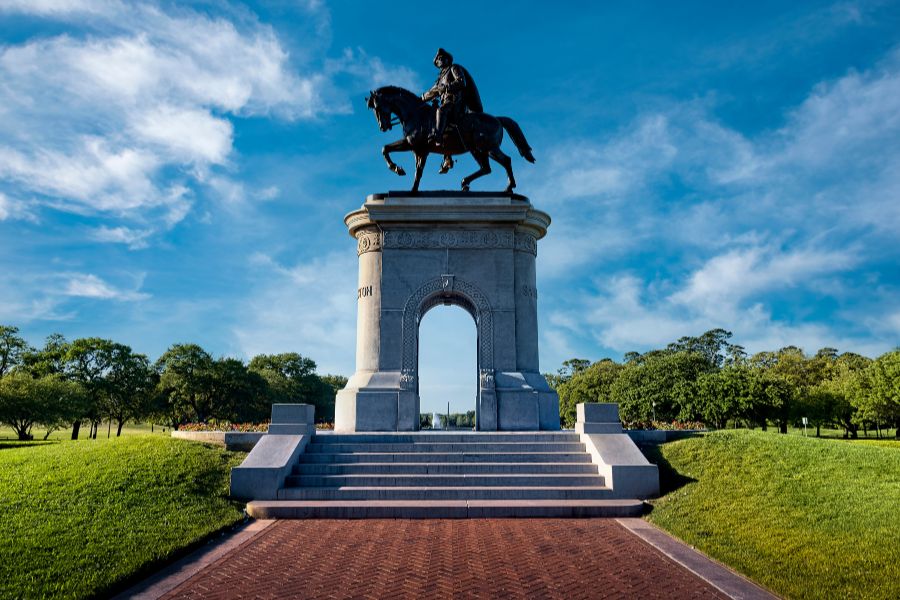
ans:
x=364 y=292
x=487 y=379
x=449 y=239
x=368 y=241
x=529 y=291
x=407 y=380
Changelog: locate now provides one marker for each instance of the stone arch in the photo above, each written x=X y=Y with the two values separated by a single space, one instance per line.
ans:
x=446 y=289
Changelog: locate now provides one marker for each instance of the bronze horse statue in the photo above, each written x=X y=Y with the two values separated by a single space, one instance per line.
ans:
x=479 y=134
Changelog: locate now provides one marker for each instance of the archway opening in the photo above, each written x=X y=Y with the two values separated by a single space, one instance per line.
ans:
x=448 y=368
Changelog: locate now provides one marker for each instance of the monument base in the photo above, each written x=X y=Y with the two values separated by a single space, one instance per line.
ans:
x=417 y=251
x=375 y=401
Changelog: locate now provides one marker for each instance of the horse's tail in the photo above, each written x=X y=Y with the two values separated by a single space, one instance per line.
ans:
x=518 y=138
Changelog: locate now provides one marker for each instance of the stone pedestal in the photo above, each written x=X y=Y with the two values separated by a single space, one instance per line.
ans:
x=474 y=250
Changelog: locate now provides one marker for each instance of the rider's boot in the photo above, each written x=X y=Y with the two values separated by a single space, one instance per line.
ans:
x=446 y=165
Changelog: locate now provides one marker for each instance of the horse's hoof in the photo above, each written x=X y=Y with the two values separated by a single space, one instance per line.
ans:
x=400 y=171
x=465 y=187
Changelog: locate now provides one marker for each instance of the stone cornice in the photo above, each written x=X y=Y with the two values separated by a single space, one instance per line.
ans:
x=448 y=208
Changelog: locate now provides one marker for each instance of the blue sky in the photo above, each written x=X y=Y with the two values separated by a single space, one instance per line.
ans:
x=174 y=172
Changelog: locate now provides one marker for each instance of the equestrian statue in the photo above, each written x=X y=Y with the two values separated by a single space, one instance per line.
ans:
x=454 y=124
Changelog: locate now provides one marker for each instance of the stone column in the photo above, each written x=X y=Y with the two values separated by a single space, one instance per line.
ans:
x=368 y=299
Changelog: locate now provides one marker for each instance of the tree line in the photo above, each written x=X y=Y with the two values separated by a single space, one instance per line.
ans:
x=711 y=380
x=91 y=380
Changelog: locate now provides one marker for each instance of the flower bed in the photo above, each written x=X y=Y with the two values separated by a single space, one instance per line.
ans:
x=226 y=426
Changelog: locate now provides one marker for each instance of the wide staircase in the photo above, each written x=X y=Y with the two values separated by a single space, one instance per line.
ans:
x=445 y=475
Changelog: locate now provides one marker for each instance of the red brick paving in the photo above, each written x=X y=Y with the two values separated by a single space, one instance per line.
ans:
x=469 y=558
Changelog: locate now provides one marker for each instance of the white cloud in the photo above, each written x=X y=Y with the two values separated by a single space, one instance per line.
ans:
x=86 y=285
x=128 y=114
x=135 y=239
x=14 y=209
x=727 y=279
x=191 y=135
x=58 y=7
x=768 y=222
x=309 y=308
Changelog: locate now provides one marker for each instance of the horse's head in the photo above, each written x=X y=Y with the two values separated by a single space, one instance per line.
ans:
x=376 y=102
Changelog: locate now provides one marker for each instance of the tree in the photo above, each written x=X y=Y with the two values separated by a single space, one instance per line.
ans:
x=877 y=392
x=49 y=360
x=331 y=385
x=832 y=399
x=87 y=361
x=236 y=393
x=130 y=382
x=12 y=349
x=47 y=401
x=292 y=379
x=590 y=384
x=568 y=369
x=725 y=394
x=660 y=384
x=712 y=346
x=185 y=372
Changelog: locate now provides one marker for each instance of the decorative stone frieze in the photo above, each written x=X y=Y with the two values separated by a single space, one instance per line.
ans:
x=461 y=238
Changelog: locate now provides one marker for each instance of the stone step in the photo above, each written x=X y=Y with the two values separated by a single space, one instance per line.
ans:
x=593 y=492
x=442 y=509
x=456 y=480
x=444 y=457
x=441 y=437
x=495 y=447
x=473 y=468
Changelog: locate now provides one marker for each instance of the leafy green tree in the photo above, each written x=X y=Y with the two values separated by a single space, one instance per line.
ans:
x=589 y=384
x=569 y=368
x=660 y=384
x=46 y=401
x=725 y=394
x=185 y=380
x=877 y=392
x=293 y=379
x=88 y=361
x=832 y=399
x=49 y=360
x=787 y=378
x=712 y=346
x=12 y=348
x=130 y=382
x=237 y=394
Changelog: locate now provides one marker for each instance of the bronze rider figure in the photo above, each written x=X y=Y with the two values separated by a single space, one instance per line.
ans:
x=457 y=93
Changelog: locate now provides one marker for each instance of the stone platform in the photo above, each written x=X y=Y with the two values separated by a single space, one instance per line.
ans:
x=597 y=472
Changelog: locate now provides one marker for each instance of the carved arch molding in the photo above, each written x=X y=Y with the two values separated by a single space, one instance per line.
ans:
x=447 y=288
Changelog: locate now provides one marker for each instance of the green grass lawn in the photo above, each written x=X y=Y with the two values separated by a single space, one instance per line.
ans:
x=806 y=517
x=6 y=433
x=78 y=517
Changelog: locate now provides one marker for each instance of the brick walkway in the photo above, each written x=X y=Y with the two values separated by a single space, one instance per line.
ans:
x=474 y=558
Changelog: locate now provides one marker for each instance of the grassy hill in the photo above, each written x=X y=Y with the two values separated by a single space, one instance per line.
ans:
x=80 y=516
x=809 y=518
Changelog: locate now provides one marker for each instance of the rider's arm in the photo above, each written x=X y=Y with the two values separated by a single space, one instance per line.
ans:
x=459 y=78
x=433 y=92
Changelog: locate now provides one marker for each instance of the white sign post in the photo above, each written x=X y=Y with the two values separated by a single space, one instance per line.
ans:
x=805 y=421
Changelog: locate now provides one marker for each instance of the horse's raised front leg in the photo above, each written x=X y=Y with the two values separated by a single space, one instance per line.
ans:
x=506 y=162
x=398 y=146
x=481 y=158
x=420 y=166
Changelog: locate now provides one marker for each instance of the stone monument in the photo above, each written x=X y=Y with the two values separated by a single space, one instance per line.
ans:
x=473 y=250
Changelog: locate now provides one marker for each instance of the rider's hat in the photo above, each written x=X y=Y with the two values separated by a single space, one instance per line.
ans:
x=445 y=54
